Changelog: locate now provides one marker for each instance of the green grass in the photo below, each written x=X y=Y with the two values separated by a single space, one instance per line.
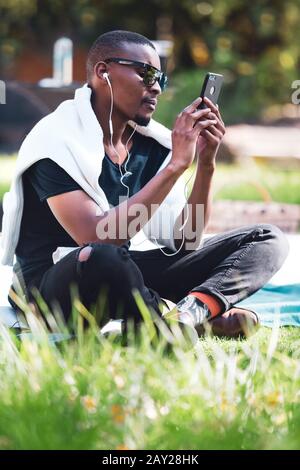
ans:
x=7 y=167
x=251 y=182
x=94 y=393
x=4 y=187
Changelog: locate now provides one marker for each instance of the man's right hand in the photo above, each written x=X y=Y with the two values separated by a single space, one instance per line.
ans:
x=187 y=128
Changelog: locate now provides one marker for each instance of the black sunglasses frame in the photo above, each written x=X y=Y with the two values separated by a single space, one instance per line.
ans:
x=157 y=75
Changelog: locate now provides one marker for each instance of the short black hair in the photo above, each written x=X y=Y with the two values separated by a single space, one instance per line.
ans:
x=109 y=44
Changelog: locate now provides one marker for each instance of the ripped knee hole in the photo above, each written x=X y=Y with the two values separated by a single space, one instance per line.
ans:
x=85 y=253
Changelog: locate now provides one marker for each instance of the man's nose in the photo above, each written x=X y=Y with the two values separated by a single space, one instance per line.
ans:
x=156 y=88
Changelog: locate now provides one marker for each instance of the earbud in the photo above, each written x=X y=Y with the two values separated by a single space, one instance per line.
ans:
x=105 y=75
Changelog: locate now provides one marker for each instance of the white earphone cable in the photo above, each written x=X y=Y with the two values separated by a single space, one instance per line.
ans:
x=111 y=130
x=154 y=239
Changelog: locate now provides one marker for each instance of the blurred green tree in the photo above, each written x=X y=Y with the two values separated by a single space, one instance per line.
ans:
x=254 y=44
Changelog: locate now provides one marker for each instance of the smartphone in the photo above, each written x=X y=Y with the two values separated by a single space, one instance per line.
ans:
x=211 y=88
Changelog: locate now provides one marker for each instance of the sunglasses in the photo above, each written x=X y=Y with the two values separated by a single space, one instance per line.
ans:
x=150 y=74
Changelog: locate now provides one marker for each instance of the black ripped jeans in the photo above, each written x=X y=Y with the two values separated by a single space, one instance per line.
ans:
x=231 y=266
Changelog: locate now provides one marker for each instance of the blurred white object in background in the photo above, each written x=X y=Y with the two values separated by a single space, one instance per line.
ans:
x=63 y=61
x=164 y=49
x=62 y=64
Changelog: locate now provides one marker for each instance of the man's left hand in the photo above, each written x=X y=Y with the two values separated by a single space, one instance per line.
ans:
x=210 y=138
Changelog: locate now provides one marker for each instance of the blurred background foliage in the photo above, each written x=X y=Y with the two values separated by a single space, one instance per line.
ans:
x=254 y=44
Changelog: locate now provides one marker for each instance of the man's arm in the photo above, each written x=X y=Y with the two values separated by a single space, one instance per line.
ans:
x=77 y=212
x=201 y=194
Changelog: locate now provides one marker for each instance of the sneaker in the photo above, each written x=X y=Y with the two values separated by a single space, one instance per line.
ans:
x=190 y=313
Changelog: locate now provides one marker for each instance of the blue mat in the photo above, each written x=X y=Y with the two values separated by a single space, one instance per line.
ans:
x=279 y=304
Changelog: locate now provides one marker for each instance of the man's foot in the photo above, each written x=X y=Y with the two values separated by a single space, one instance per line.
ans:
x=236 y=322
x=191 y=312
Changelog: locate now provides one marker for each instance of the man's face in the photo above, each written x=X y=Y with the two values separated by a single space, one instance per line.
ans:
x=132 y=97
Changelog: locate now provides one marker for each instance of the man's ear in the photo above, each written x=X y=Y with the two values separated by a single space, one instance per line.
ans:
x=99 y=69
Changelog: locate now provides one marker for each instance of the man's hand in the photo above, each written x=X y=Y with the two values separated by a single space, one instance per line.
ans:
x=207 y=144
x=188 y=127
x=210 y=138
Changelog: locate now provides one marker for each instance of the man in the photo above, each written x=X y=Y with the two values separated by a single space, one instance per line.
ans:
x=78 y=163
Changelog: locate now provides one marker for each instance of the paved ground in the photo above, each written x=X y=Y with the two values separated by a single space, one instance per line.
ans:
x=278 y=143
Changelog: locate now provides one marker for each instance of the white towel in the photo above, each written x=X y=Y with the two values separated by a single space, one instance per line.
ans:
x=71 y=136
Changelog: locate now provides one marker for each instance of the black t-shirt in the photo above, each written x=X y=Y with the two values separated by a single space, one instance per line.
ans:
x=41 y=233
